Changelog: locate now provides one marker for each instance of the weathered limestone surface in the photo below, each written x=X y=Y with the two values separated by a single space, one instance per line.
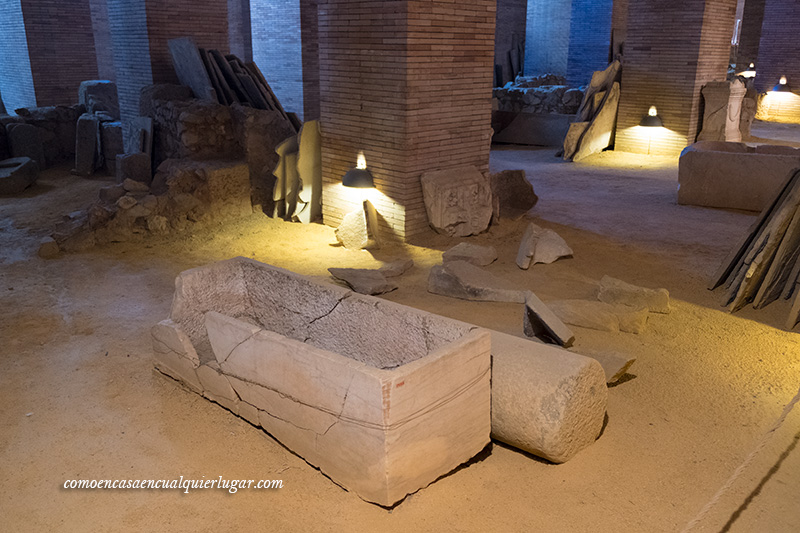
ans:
x=597 y=136
x=615 y=365
x=538 y=320
x=460 y=279
x=601 y=316
x=17 y=174
x=512 y=194
x=190 y=69
x=541 y=245
x=381 y=415
x=396 y=268
x=615 y=291
x=471 y=253
x=573 y=138
x=722 y=111
x=99 y=96
x=363 y=281
x=733 y=175
x=138 y=135
x=545 y=400
x=458 y=201
x=352 y=232
x=309 y=168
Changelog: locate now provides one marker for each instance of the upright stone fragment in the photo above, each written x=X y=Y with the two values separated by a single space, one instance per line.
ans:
x=541 y=245
x=545 y=400
x=86 y=138
x=458 y=201
x=722 y=110
x=615 y=291
x=111 y=145
x=352 y=232
x=471 y=253
x=17 y=174
x=512 y=194
x=459 y=279
x=99 y=96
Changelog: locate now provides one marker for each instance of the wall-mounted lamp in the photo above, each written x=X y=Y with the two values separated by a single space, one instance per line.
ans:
x=359 y=177
x=782 y=86
x=651 y=119
x=750 y=72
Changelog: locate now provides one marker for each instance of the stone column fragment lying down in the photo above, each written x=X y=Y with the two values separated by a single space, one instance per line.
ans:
x=383 y=398
x=545 y=400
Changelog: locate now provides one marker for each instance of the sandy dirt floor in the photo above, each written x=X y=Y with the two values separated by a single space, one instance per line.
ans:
x=80 y=398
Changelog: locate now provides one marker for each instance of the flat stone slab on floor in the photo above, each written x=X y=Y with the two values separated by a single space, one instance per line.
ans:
x=363 y=281
x=545 y=400
x=600 y=316
x=615 y=291
x=460 y=279
x=471 y=253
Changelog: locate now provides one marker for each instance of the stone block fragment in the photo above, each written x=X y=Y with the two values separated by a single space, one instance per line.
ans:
x=112 y=193
x=352 y=232
x=396 y=268
x=190 y=68
x=512 y=194
x=615 y=365
x=458 y=201
x=541 y=245
x=48 y=248
x=86 y=149
x=99 y=96
x=471 y=253
x=545 y=400
x=17 y=174
x=134 y=167
x=363 y=281
x=600 y=315
x=597 y=136
x=111 y=145
x=614 y=291
x=538 y=320
x=459 y=279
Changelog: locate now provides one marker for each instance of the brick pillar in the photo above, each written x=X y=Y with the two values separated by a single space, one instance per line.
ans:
x=277 y=48
x=547 y=37
x=102 y=40
x=386 y=80
x=310 y=44
x=779 y=48
x=16 y=80
x=510 y=30
x=140 y=31
x=750 y=34
x=673 y=48
x=619 y=25
x=589 y=39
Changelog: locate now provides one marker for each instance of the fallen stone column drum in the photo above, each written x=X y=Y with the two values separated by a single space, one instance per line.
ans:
x=545 y=400
x=383 y=398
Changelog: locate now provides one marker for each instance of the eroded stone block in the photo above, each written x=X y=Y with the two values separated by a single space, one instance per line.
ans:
x=471 y=253
x=458 y=201
x=601 y=316
x=363 y=281
x=512 y=194
x=17 y=174
x=541 y=245
x=460 y=279
x=615 y=291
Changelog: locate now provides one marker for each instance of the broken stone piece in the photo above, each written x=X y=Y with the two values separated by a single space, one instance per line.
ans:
x=126 y=202
x=396 y=268
x=135 y=186
x=545 y=400
x=111 y=193
x=460 y=279
x=615 y=365
x=99 y=95
x=540 y=245
x=86 y=137
x=615 y=291
x=352 y=232
x=512 y=194
x=458 y=201
x=48 y=248
x=539 y=321
x=600 y=316
x=471 y=253
x=363 y=281
x=17 y=174
x=134 y=167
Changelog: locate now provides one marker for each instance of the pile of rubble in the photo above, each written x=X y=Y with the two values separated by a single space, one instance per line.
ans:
x=526 y=95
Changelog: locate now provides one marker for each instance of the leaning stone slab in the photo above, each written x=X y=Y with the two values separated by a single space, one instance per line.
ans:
x=541 y=245
x=381 y=415
x=597 y=136
x=471 y=253
x=545 y=400
x=363 y=281
x=459 y=279
x=190 y=68
x=512 y=194
x=539 y=321
x=17 y=174
x=458 y=201
x=601 y=316
x=615 y=291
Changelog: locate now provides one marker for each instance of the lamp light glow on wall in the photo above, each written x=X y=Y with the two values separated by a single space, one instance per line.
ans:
x=782 y=86
x=360 y=182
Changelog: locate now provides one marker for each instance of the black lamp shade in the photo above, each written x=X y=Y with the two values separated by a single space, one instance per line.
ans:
x=651 y=121
x=782 y=88
x=360 y=178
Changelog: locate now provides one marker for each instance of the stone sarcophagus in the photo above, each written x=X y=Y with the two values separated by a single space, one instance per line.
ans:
x=383 y=398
